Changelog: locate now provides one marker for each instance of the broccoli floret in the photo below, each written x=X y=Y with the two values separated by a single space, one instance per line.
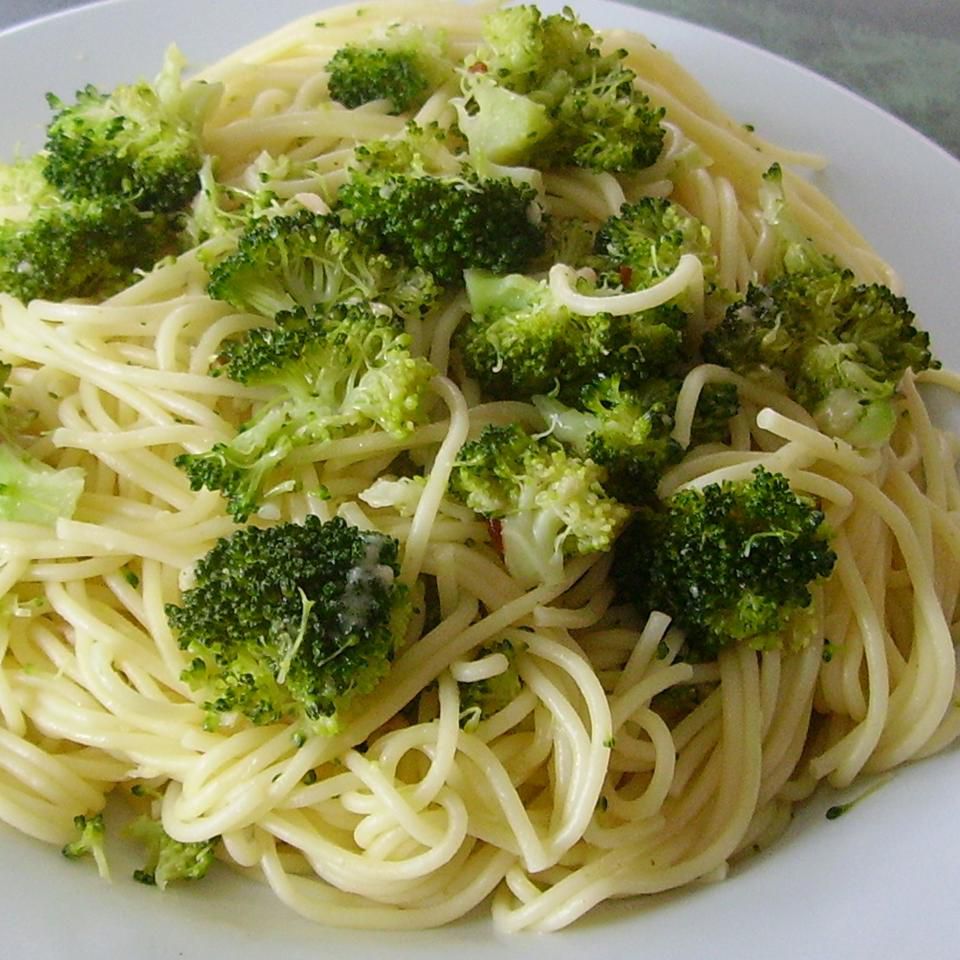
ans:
x=625 y=431
x=169 y=860
x=31 y=491
x=57 y=248
x=418 y=151
x=840 y=346
x=310 y=261
x=539 y=91
x=23 y=187
x=441 y=223
x=730 y=563
x=643 y=244
x=549 y=505
x=347 y=372
x=403 y=66
x=521 y=340
x=359 y=74
x=480 y=699
x=81 y=248
x=628 y=431
x=717 y=405
x=291 y=623
x=270 y=186
x=141 y=142
x=89 y=842
x=569 y=241
x=606 y=123
x=795 y=251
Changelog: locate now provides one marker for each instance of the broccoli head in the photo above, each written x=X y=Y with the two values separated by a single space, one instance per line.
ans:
x=81 y=248
x=141 y=141
x=628 y=431
x=625 y=431
x=89 y=842
x=717 y=405
x=293 y=622
x=540 y=91
x=521 y=340
x=840 y=346
x=57 y=248
x=441 y=223
x=403 y=66
x=348 y=372
x=24 y=187
x=310 y=261
x=169 y=860
x=548 y=504
x=794 y=251
x=569 y=240
x=730 y=563
x=359 y=74
x=643 y=244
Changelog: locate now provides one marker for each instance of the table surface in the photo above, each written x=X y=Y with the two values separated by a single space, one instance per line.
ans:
x=903 y=55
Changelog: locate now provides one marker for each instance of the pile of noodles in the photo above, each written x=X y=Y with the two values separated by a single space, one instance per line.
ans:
x=581 y=789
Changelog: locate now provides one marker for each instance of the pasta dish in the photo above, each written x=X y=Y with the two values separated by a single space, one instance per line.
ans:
x=449 y=461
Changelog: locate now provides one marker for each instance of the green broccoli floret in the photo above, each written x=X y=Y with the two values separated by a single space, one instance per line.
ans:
x=293 y=622
x=418 y=151
x=629 y=431
x=548 y=504
x=347 y=372
x=480 y=699
x=730 y=563
x=56 y=248
x=359 y=74
x=570 y=241
x=717 y=405
x=441 y=223
x=89 y=842
x=311 y=262
x=141 y=142
x=31 y=491
x=840 y=346
x=169 y=860
x=539 y=91
x=80 y=248
x=625 y=431
x=795 y=251
x=24 y=187
x=521 y=340
x=403 y=66
x=643 y=244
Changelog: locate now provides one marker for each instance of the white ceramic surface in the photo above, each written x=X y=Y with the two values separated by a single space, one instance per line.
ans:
x=881 y=882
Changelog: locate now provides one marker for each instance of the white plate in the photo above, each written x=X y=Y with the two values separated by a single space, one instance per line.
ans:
x=881 y=882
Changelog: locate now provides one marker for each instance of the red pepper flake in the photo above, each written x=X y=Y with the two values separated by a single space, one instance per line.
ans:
x=478 y=67
x=626 y=275
x=496 y=535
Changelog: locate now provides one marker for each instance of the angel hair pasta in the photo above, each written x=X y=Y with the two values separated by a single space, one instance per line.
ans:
x=447 y=460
